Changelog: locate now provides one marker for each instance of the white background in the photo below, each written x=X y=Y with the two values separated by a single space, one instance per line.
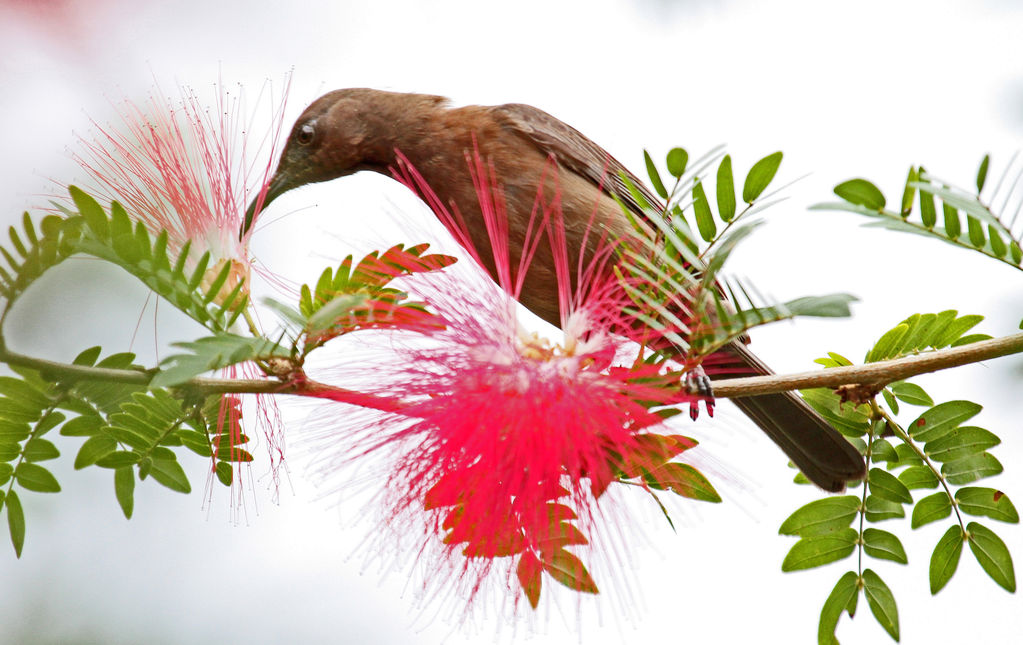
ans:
x=845 y=89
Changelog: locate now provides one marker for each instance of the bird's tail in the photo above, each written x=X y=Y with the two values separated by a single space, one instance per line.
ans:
x=814 y=446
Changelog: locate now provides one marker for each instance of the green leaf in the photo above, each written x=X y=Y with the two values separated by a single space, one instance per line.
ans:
x=15 y=521
x=937 y=329
x=918 y=477
x=890 y=400
x=931 y=509
x=909 y=191
x=881 y=450
x=982 y=173
x=115 y=240
x=976 y=232
x=987 y=502
x=704 y=216
x=22 y=393
x=197 y=442
x=919 y=324
x=881 y=603
x=119 y=459
x=928 y=214
x=569 y=570
x=862 y=192
x=94 y=448
x=217 y=283
x=952 y=225
x=160 y=260
x=992 y=554
x=179 y=267
x=970 y=338
x=832 y=305
x=684 y=480
x=338 y=306
x=821 y=516
x=878 y=509
x=13 y=433
x=9 y=450
x=941 y=419
x=967 y=203
x=122 y=235
x=91 y=212
x=911 y=393
x=945 y=558
x=851 y=607
x=676 y=162
x=760 y=175
x=225 y=473
x=998 y=247
x=888 y=345
x=887 y=486
x=134 y=431
x=726 y=190
x=124 y=489
x=883 y=545
x=846 y=418
x=88 y=357
x=38 y=449
x=199 y=272
x=655 y=177
x=34 y=477
x=171 y=474
x=211 y=353
x=970 y=469
x=839 y=599
x=235 y=454
x=839 y=360
x=961 y=442
x=819 y=550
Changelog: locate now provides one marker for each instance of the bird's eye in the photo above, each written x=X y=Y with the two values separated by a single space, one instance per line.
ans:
x=305 y=134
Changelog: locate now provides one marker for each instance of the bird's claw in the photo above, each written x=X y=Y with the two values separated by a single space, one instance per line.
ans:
x=698 y=384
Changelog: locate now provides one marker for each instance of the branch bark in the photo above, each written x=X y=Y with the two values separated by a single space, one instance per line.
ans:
x=871 y=374
x=880 y=373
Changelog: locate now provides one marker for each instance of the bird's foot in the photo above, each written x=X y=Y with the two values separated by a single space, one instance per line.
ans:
x=698 y=384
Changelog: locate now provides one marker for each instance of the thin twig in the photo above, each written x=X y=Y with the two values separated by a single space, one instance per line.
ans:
x=204 y=385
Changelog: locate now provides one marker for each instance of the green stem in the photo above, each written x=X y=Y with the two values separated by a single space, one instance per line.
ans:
x=76 y=372
x=728 y=225
x=906 y=439
x=956 y=241
x=859 y=541
x=32 y=435
x=875 y=418
x=253 y=328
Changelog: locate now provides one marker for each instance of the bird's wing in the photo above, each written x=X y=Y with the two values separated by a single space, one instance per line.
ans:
x=574 y=151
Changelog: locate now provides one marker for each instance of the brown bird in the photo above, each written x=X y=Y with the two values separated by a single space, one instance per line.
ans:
x=346 y=131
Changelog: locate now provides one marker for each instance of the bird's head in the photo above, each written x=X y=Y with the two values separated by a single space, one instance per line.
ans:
x=340 y=133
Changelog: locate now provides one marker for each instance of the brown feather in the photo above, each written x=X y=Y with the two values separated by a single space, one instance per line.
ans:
x=574 y=151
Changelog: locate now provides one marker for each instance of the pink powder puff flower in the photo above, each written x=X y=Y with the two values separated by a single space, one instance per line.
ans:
x=187 y=169
x=190 y=170
x=513 y=439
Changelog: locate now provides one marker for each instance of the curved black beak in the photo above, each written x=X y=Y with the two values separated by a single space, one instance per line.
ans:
x=279 y=184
